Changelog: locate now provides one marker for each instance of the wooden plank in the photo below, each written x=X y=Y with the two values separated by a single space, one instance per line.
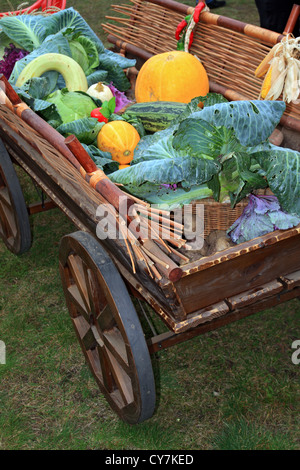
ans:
x=253 y=295
x=202 y=316
x=239 y=269
x=291 y=280
x=41 y=207
x=166 y=340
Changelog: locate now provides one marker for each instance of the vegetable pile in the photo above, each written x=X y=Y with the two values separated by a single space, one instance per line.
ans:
x=221 y=151
x=54 y=63
x=170 y=153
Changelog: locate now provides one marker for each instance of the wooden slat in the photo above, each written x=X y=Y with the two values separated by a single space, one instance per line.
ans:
x=202 y=316
x=238 y=269
x=292 y=280
x=41 y=207
x=254 y=295
x=166 y=340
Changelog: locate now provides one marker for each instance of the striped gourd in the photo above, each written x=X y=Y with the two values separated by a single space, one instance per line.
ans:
x=157 y=115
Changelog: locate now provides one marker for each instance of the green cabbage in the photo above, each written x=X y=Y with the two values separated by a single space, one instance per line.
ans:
x=71 y=105
x=84 y=52
x=224 y=146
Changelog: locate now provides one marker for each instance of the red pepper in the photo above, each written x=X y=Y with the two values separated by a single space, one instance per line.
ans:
x=197 y=11
x=96 y=113
x=179 y=28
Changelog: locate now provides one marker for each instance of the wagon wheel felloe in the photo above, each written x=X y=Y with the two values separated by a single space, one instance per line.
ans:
x=15 y=228
x=107 y=327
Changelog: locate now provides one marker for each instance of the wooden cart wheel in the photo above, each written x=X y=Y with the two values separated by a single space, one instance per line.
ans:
x=15 y=228
x=107 y=327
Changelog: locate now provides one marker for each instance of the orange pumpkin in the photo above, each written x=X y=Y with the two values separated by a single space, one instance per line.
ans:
x=120 y=139
x=171 y=76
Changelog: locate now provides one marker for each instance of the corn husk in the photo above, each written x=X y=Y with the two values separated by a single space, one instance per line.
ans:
x=281 y=68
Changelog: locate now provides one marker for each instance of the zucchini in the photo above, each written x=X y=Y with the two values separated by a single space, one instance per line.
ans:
x=156 y=115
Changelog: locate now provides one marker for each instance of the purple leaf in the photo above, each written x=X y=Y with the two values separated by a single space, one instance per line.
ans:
x=11 y=55
x=262 y=215
x=121 y=99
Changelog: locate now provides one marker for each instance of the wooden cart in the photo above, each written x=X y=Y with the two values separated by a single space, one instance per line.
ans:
x=97 y=275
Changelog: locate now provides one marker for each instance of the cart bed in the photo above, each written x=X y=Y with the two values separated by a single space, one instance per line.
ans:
x=211 y=287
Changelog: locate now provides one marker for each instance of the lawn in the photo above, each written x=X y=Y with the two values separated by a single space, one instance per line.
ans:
x=232 y=389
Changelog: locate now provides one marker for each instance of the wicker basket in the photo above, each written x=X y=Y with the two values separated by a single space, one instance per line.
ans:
x=220 y=216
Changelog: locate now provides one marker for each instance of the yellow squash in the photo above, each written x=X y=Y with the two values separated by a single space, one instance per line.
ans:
x=120 y=139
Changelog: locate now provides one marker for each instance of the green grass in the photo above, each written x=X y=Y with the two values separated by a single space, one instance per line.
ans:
x=241 y=435
x=234 y=388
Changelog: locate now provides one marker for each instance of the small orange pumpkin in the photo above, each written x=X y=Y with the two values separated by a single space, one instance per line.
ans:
x=171 y=76
x=120 y=139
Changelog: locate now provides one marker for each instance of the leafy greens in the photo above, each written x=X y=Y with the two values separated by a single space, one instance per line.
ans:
x=224 y=148
x=65 y=32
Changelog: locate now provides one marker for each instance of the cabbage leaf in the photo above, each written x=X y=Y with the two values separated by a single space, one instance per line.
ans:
x=282 y=169
x=85 y=129
x=40 y=34
x=102 y=159
x=225 y=145
x=29 y=31
x=253 y=121
x=262 y=215
x=71 y=105
x=84 y=52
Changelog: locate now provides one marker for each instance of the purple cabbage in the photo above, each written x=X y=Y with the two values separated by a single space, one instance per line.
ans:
x=11 y=55
x=262 y=215
x=121 y=99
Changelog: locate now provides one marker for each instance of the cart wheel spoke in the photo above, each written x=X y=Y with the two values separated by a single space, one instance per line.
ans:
x=122 y=379
x=7 y=218
x=96 y=300
x=74 y=297
x=4 y=195
x=107 y=327
x=89 y=341
x=115 y=345
x=77 y=272
x=105 y=370
x=7 y=223
x=105 y=318
x=14 y=221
